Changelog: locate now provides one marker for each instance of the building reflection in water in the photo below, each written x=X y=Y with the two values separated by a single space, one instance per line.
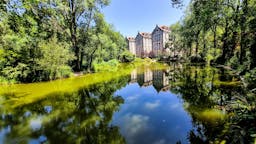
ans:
x=133 y=76
x=158 y=78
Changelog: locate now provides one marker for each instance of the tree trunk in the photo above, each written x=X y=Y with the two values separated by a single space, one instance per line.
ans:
x=253 y=54
x=222 y=58
x=73 y=31
x=82 y=53
x=243 y=32
x=233 y=42
x=197 y=41
x=190 y=49
x=215 y=30
x=214 y=40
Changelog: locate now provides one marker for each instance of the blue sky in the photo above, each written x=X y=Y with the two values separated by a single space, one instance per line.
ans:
x=131 y=16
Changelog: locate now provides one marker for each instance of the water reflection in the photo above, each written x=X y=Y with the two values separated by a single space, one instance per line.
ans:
x=197 y=114
x=151 y=113
x=158 y=78
x=178 y=104
x=83 y=116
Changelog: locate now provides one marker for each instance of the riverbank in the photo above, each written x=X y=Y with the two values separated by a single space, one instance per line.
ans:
x=111 y=66
x=21 y=94
x=114 y=65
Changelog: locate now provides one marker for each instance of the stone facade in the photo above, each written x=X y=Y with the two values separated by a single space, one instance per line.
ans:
x=143 y=44
x=160 y=37
x=150 y=44
x=131 y=44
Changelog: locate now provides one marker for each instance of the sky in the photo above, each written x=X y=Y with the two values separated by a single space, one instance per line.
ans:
x=132 y=16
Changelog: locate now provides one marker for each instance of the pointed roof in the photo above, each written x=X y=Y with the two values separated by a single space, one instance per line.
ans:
x=161 y=28
x=130 y=38
x=164 y=28
x=145 y=34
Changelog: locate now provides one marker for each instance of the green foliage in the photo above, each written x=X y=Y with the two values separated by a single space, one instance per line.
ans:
x=55 y=58
x=18 y=73
x=39 y=38
x=250 y=77
x=220 y=30
x=4 y=80
x=234 y=62
x=242 y=127
x=111 y=65
x=101 y=43
x=126 y=56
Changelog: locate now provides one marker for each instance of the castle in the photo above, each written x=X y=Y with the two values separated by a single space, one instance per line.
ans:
x=150 y=44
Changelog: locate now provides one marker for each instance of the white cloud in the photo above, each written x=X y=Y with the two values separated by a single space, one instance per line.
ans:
x=131 y=98
x=152 y=105
x=36 y=124
x=175 y=106
x=135 y=123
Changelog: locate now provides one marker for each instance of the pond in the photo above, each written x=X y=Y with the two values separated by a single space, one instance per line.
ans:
x=148 y=104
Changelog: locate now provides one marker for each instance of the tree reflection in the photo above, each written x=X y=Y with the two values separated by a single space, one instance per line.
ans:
x=219 y=106
x=208 y=96
x=83 y=116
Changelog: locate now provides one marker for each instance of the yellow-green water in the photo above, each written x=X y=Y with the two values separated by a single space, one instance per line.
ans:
x=21 y=94
x=166 y=104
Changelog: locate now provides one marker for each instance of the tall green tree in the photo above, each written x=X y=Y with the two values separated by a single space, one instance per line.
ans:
x=76 y=13
x=223 y=29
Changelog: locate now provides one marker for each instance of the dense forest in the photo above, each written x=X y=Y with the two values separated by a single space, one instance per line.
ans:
x=222 y=33
x=219 y=32
x=43 y=40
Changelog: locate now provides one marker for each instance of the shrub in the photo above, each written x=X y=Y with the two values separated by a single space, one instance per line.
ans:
x=126 y=56
x=18 y=73
x=54 y=60
x=111 y=65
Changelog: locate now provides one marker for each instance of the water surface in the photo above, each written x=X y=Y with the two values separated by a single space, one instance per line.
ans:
x=146 y=104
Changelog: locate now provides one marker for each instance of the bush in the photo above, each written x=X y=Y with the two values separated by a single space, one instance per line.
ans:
x=4 y=80
x=54 y=61
x=18 y=73
x=126 y=56
x=111 y=65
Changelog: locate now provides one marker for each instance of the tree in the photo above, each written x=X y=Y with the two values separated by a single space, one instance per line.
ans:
x=77 y=13
x=78 y=25
x=221 y=30
x=54 y=60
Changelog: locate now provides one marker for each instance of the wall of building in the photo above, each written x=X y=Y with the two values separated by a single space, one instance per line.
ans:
x=139 y=45
x=132 y=46
x=147 y=46
x=151 y=45
x=157 y=41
